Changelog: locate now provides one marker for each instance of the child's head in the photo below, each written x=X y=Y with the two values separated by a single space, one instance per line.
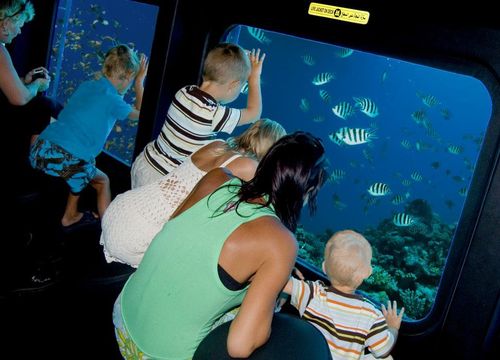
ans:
x=258 y=138
x=227 y=65
x=347 y=259
x=122 y=64
x=13 y=15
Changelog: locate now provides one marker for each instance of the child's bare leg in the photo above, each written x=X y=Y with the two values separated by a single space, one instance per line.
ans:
x=71 y=213
x=100 y=183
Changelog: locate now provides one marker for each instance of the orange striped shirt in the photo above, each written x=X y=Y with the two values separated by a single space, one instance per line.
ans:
x=349 y=322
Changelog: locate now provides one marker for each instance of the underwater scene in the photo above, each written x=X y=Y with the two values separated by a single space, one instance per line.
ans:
x=401 y=141
x=84 y=31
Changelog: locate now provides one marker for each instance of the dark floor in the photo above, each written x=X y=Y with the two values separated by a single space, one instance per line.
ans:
x=69 y=317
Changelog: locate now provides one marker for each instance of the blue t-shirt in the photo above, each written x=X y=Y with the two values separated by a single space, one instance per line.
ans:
x=87 y=119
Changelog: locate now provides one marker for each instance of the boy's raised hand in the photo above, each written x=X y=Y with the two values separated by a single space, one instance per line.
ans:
x=256 y=61
x=143 y=69
x=392 y=318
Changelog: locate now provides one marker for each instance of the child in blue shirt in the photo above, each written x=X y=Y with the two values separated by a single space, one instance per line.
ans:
x=67 y=148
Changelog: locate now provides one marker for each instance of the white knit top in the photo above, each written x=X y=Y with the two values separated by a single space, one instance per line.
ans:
x=134 y=218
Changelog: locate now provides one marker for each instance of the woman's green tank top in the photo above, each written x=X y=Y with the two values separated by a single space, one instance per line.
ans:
x=170 y=303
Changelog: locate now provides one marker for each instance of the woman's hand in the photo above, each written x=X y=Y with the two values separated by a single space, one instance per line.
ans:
x=28 y=79
x=43 y=84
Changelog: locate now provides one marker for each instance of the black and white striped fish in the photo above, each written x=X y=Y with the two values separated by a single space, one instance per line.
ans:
x=335 y=139
x=344 y=52
x=259 y=35
x=323 y=78
x=367 y=106
x=406 y=144
x=304 y=105
x=428 y=100
x=419 y=116
x=343 y=110
x=455 y=149
x=403 y=219
x=337 y=175
x=399 y=199
x=379 y=189
x=355 y=136
x=416 y=176
x=324 y=95
x=308 y=60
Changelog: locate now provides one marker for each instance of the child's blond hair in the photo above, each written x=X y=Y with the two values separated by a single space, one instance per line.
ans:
x=347 y=259
x=257 y=139
x=226 y=62
x=121 y=60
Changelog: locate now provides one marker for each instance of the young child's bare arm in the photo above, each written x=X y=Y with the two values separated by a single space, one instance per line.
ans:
x=139 y=88
x=392 y=319
x=253 y=110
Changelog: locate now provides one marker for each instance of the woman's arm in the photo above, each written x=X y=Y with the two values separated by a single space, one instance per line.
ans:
x=272 y=249
x=12 y=86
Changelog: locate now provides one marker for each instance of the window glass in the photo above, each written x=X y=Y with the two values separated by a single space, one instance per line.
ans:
x=402 y=141
x=84 y=31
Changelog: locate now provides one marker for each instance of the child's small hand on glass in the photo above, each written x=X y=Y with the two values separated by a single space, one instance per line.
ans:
x=143 y=69
x=256 y=61
x=392 y=318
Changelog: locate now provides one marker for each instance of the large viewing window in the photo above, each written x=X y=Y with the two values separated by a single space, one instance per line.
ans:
x=84 y=32
x=402 y=142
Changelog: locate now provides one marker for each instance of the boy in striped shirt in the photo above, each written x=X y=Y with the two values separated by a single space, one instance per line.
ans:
x=349 y=322
x=198 y=113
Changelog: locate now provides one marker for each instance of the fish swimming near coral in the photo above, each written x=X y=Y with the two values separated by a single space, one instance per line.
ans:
x=403 y=219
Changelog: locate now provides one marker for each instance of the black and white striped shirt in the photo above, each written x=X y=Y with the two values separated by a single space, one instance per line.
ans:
x=193 y=119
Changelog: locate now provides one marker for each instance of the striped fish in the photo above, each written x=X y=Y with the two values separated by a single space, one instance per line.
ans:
x=308 y=60
x=379 y=189
x=304 y=105
x=337 y=175
x=335 y=139
x=455 y=150
x=428 y=100
x=343 y=110
x=398 y=199
x=259 y=35
x=462 y=191
x=406 y=182
x=416 y=176
x=344 y=52
x=402 y=219
x=419 y=116
x=406 y=144
x=318 y=118
x=355 y=136
x=323 y=78
x=324 y=95
x=367 y=106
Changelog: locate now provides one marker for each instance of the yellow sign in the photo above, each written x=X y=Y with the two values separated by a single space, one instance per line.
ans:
x=339 y=13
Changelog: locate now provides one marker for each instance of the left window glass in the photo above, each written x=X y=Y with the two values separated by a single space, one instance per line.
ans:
x=84 y=31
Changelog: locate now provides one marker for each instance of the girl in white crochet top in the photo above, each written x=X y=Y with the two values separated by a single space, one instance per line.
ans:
x=134 y=218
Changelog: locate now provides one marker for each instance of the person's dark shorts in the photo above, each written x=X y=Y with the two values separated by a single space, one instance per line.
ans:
x=55 y=161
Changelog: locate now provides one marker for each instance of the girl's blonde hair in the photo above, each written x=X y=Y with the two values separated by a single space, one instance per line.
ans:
x=120 y=60
x=12 y=8
x=257 y=139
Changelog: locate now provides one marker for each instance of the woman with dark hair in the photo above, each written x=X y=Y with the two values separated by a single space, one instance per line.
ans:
x=229 y=243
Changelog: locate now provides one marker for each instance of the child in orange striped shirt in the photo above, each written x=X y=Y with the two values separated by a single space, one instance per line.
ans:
x=349 y=322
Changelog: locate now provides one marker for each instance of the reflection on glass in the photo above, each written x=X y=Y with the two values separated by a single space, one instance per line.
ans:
x=402 y=141
x=88 y=30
